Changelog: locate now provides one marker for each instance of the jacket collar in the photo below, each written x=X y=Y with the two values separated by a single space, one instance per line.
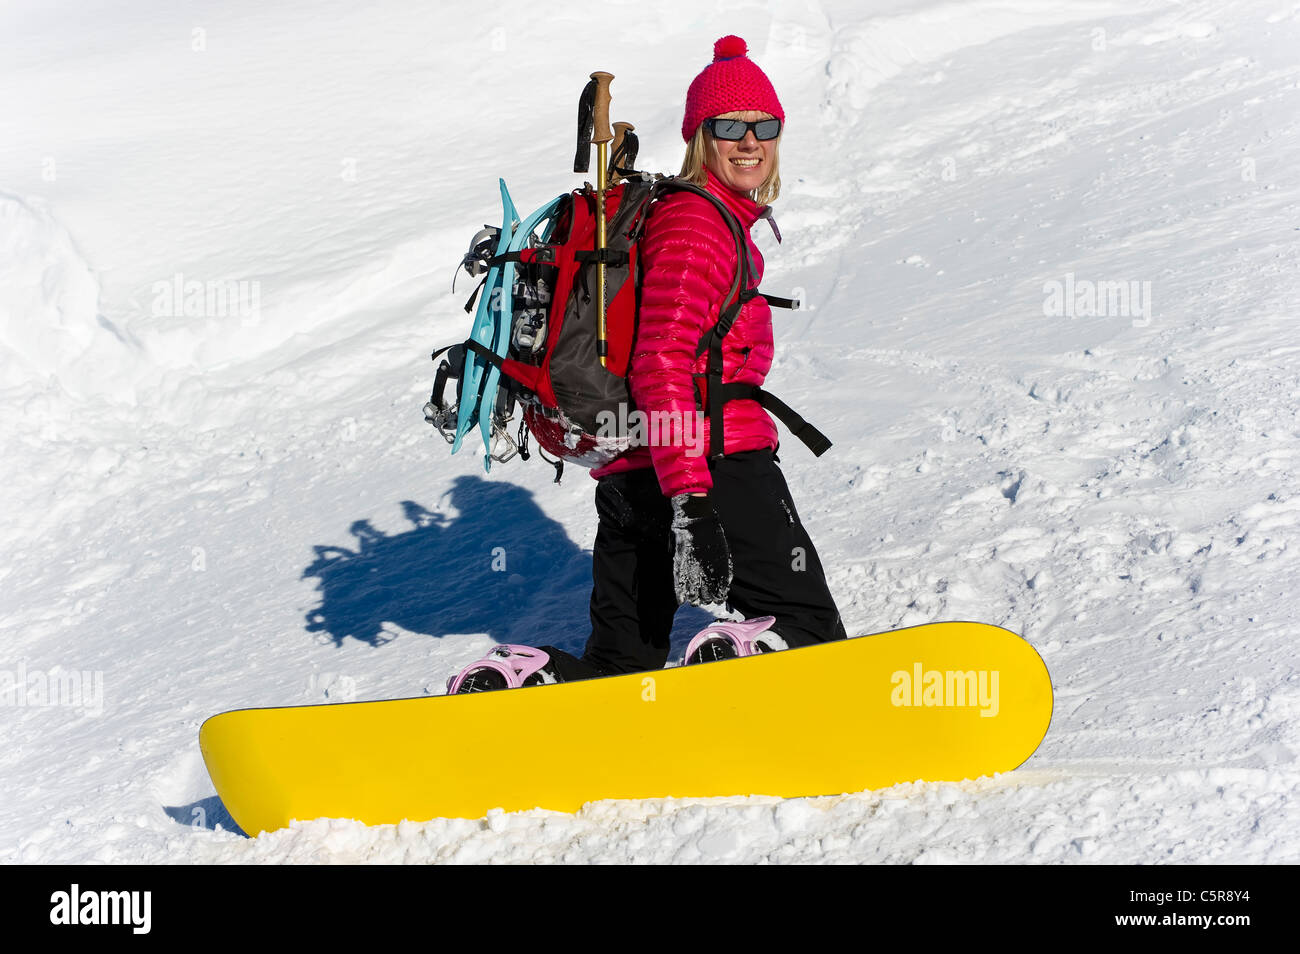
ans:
x=745 y=209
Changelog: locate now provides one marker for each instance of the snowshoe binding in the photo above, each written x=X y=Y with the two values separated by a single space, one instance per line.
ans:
x=729 y=639
x=505 y=667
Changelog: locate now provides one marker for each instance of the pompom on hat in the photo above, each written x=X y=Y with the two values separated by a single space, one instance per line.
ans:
x=731 y=83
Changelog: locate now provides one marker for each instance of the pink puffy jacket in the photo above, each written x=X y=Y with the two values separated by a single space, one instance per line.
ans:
x=688 y=257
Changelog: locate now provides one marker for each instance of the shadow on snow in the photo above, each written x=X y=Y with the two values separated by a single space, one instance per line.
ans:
x=499 y=567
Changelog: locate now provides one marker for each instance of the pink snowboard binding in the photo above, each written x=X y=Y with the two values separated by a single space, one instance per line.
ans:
x=727 y=639
x=505 y=667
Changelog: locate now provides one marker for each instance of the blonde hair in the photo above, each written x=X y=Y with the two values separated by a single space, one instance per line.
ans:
x=695 y=162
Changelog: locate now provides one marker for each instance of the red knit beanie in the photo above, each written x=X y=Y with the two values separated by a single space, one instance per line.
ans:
x=731 y=83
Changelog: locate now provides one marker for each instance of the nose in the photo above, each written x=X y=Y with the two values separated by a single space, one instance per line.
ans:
x=750 y=141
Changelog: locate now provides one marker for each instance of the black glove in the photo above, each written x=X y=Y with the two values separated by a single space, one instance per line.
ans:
x=702 y=561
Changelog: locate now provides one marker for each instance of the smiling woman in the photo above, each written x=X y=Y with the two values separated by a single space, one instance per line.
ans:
x=676 y=526
x=700 y=513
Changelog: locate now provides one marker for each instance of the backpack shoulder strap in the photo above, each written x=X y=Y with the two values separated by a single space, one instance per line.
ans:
x=710 y=391
x=744 y=267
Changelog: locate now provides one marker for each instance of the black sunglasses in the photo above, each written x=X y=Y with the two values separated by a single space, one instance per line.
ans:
x=733 y=130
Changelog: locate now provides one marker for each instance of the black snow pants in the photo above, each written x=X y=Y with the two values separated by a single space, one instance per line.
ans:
x=776 y=569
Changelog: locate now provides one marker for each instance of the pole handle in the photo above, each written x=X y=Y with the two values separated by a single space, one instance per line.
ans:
x=620 y=129
x=615 y=151
x=601 y=131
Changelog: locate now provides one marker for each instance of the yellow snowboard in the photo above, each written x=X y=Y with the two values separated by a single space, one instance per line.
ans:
x=940 y=702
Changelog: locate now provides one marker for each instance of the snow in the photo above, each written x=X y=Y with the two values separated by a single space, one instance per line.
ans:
x=227 y=237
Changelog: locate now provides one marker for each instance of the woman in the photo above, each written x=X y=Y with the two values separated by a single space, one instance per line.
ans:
x=676 y=525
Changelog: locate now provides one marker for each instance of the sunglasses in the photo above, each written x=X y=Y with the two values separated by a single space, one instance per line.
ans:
x=733 y=130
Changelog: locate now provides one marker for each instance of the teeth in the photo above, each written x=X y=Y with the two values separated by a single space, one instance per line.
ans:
x=745 y=162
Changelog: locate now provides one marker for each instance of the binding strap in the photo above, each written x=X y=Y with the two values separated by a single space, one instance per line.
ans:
x=486 y=353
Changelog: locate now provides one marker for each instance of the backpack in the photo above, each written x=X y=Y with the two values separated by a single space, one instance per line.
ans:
x=535 y=345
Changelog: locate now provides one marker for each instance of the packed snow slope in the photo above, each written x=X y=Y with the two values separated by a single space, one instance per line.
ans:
x=1049 y=255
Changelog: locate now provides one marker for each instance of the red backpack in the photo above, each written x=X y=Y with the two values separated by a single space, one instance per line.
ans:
x=575 y=408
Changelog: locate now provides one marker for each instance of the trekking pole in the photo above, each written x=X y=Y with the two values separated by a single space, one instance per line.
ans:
x=601 y=136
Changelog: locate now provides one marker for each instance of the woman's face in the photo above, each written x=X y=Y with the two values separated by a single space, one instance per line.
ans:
x=742 y=165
